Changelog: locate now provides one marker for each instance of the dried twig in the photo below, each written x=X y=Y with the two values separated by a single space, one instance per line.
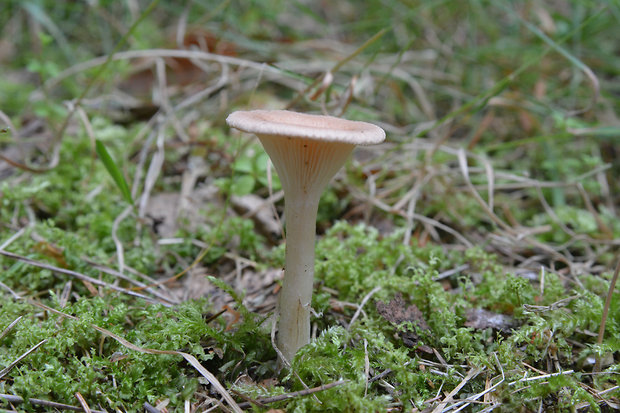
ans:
x=7 y=120
x=13 y=293
x=422 y=218
x=139 y=286
x=149 y=408
x=466 y=402
x=553 y=306
x=451 y=272
x=119 y=245
x=283 y=359
x=292 y=395
x=78 y=275
x=462 y=157
x=46 y=403
x=12 y=238
x=85 y=407
x=8 y=368
x=601 y=331
x=10 y=327
x=470 y=375
x=541 y=377
x=161 y=53
x=155 y=167
x=364 y=301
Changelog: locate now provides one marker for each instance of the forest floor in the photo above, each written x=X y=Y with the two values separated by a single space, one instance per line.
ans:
x=468 y=263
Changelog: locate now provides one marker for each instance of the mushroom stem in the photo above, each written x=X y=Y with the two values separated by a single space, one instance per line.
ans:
x=296 y=294
x=305 y=167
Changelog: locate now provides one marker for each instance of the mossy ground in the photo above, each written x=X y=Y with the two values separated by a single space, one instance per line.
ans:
x=465 y=263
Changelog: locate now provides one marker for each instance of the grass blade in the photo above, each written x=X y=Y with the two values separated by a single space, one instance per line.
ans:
x=113 y=170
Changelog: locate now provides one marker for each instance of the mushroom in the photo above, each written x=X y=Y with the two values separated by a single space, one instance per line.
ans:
x=307 y=151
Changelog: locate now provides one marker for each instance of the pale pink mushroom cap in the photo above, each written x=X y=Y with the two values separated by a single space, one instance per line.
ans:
x=302 y=125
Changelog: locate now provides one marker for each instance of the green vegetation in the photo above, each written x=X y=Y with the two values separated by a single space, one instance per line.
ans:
x=469 y=262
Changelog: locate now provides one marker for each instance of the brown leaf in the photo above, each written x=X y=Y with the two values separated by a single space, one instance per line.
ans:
x=236 y=314
x=52 y=251
x=397 y=312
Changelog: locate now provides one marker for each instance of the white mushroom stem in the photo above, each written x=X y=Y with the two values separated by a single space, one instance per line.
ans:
x=296 y=294
x=305 y=167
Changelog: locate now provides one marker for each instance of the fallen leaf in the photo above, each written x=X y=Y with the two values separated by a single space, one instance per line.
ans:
x=236 y=314
x=397 y=312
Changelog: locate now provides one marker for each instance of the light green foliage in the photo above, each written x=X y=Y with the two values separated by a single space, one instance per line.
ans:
x=14 y=95
x=249 y=171
x=69 y=361
x=339 y=355
x=352 y=277
x=577 y=220
x=355 y=259
x=78 y=358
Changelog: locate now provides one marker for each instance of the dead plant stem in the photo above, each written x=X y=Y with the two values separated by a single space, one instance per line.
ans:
x=601 y=331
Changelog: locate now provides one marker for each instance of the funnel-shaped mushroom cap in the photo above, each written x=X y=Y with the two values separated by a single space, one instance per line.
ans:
x=306 y=150
x=301 y=125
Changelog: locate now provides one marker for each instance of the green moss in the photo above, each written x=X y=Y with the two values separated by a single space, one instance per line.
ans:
x=76 y=357
x=497 y=88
